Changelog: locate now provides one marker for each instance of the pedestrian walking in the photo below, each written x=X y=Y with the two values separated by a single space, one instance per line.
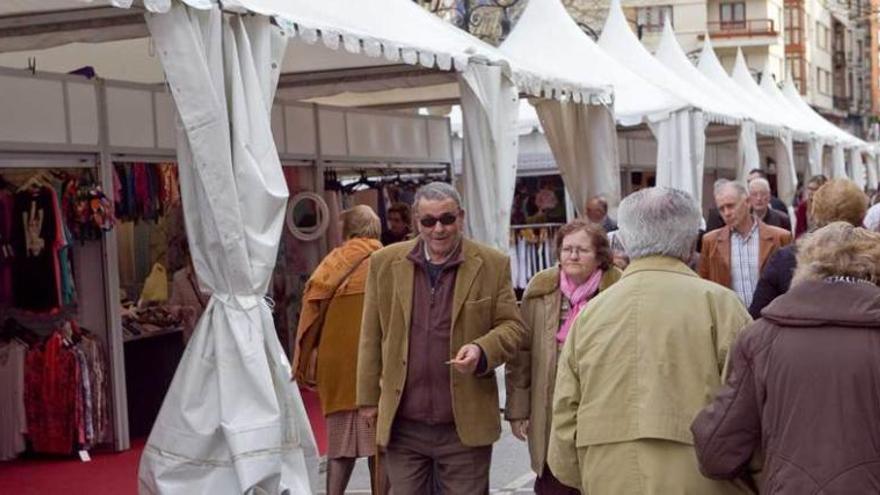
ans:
x=642 y=360
x=439 y=316
x=326 y=349
x=840 y=200
x=800 y=392
x=734 y=255
x=552 y=302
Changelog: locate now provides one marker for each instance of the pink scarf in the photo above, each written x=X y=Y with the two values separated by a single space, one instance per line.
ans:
x=577 y=295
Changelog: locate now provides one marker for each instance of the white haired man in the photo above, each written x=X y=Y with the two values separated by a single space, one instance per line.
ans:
x=735 y=254
x=642 y=359
x=759 y=198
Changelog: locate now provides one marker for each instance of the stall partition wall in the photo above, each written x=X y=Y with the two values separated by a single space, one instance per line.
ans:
x=47 y=116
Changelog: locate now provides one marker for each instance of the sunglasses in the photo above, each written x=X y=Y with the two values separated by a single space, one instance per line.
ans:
x=445 y=219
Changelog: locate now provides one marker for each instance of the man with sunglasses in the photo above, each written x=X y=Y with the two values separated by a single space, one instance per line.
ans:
x=439 y=316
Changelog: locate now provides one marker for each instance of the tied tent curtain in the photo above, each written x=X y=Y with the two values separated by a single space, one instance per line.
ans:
x=583 y=139
x=747 y=155
x=681 y=152
x=838 y=162
x=815 y=154
x=490 y=109
x=786 y=175
x=232 y=421
x=858 y=170
x=872 y=171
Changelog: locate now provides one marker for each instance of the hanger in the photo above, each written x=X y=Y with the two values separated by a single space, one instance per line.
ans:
x=40 y=179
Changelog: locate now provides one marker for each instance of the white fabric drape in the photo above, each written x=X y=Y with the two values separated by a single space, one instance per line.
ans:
x=681 y=152
x=786 y=175
x=583 y=139
x=815 y=153
x=838 y=162
x=747 y=156
x=232 y=421
x=872 y=171
x=858 y=171
x=489 y=107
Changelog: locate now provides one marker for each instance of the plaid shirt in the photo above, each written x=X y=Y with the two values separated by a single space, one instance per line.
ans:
x=744 y=269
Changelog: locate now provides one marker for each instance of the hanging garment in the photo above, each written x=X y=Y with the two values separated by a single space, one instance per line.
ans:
x=36 y=277
x=50 y=397
x=7 y=254
x=13 y=424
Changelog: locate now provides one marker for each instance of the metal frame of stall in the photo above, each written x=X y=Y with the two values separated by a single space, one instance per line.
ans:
x=67 y=121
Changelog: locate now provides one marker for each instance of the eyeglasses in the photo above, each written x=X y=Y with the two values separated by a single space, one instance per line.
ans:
x=570 y=250
x=445 y=219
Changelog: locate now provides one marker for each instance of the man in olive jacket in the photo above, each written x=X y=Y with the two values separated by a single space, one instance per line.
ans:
x=641 y=361
x=439 y=316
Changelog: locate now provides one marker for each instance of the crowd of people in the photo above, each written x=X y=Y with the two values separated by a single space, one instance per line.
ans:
x=654 y=358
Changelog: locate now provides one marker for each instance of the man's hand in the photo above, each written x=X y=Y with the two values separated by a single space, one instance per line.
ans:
x=520 y=428
x=466 y=360
x=368 y=414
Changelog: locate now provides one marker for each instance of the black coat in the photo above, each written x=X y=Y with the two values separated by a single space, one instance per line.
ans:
x=775 y=279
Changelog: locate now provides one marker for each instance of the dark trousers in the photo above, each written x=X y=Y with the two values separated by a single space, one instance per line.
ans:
x=418 y=453
x=547 y=484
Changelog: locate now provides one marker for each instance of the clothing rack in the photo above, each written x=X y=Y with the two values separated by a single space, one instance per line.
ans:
x=532 y=249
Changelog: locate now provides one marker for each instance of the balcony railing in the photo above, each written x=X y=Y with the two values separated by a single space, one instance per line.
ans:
x=745 y=28
x=841 y=102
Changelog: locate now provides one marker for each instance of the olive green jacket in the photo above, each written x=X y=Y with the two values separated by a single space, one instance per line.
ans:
x=484 y=312
x=641 y=361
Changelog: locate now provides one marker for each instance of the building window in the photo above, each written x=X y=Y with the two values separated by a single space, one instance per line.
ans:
x=821 y=36
x=652 y=18
x=733 y=15
x=793 y=33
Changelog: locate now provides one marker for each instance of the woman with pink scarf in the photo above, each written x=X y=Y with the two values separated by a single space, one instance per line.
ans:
x=551 y=303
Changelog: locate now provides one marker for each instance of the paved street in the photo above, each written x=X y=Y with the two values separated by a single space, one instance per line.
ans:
x=510 y=469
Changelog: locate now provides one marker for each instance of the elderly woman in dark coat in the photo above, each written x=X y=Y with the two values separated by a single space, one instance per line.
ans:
x=803 y=381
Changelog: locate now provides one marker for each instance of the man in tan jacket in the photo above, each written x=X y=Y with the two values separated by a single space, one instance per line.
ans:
x=735 y=254
x=439 y=316
x=642 y=360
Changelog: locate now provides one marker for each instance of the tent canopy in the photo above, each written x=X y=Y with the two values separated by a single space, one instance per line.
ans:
x=670 y=54
x=408 y=48
x=620 y=42
x=807 y=114
x=765 y=122
x=566 y=52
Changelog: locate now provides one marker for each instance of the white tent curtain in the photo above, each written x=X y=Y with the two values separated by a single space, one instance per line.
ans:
x=815 y=154
x=858 y=171
x=872 y=170
x=786 y=175
x=681 y=151
x=490 y=108
x=747 y=155
x=583 y=139
x=232 y=421
x=838 y=162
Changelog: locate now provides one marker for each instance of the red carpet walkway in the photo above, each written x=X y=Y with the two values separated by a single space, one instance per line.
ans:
x=106 y=474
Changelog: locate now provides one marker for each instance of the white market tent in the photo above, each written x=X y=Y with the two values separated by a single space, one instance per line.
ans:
x=681 y=139
x=784 y=145
x=583 y=139
x=241 y=427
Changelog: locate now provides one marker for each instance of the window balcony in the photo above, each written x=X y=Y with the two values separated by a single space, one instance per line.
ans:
x=747 y=28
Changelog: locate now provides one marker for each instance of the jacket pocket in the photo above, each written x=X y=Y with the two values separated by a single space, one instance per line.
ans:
x=477 y=318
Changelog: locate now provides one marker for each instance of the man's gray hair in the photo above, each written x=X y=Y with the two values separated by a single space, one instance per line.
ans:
x=762 y=184
x=659 y=221
x=722 y=184
x=437 y=191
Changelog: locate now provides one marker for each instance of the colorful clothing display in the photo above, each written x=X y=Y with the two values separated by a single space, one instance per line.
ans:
x=54 y=394
x=145 y=191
